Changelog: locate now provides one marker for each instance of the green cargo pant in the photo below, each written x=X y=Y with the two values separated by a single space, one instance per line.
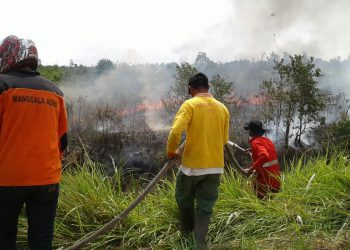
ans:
x=201 y=189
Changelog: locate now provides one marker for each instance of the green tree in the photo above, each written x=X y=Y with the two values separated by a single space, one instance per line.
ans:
x=294 y=97
x=203 y=63
x=222 y=89
x=336 y=134
x=53 y=73
x=341 y=133
x=104 y=65
x=179 y=91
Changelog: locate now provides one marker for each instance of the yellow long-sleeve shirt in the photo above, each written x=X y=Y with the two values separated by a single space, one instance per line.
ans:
x=206 y=123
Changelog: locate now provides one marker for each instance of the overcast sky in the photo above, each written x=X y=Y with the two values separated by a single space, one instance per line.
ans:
x=149 y=31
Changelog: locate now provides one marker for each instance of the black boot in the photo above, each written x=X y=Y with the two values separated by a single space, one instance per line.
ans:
x=201 y=230
x=186 y=221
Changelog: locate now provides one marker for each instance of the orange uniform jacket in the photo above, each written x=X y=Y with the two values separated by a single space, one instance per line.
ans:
x=33 y=130
x=265 y=162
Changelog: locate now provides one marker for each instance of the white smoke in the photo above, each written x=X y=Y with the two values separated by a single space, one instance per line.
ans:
x=125 y=88
x=317 y=28
x=173 y=31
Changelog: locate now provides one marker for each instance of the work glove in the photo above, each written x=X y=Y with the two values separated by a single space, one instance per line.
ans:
x=249 y=171
x=248 y=151
x=172 y=155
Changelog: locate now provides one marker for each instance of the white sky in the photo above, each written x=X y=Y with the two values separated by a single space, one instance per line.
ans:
x=139 y=31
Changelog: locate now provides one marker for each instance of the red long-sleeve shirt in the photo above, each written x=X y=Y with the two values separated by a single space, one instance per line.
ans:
x=265 y=161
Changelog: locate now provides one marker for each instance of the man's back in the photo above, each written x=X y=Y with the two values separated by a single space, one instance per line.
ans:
x=33 y=136
x=207 y=132
x=33 y=120
x=265 y=161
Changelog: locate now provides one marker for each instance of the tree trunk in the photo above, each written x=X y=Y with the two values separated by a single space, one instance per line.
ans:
x=286 y=135
x=297 y=140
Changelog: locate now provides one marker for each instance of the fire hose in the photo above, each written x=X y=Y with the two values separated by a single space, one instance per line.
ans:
x=108 y=226
x=238 y=167
x=167 y=166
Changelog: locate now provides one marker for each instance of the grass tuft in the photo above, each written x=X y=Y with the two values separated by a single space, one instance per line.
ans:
x=311 y=212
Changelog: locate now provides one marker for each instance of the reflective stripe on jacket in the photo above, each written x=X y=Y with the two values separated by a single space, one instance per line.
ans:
x=270 y=163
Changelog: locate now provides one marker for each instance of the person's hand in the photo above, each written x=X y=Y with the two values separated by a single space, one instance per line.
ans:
x=249 y=171
x=248 y=151
x=245 y=171
x=172 y=155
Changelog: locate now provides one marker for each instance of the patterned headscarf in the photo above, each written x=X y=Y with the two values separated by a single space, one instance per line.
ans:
x=15 y=52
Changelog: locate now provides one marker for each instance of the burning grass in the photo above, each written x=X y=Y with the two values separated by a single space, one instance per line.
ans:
x=311 y=212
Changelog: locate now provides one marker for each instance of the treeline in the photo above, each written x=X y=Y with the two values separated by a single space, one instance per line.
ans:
x=247 y=74
x=120 y=109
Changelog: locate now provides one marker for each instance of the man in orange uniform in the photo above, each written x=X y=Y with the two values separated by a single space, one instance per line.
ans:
x=206 y=122
x=33 y=137
x=265 y=161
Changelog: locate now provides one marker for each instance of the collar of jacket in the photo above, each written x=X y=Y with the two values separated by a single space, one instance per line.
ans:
x=253 y=138
x=203 y=95
x=24 y=72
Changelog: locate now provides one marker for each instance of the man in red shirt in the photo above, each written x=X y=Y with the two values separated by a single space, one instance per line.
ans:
x=265 y=163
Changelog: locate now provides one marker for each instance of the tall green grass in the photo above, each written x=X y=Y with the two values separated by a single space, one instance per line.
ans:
x=312 y=210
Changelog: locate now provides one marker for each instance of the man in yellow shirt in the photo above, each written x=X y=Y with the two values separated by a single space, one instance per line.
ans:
x=206 y=124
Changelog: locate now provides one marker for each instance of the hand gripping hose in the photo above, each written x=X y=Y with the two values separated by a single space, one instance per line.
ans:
x=110 y=225
x=237 y=166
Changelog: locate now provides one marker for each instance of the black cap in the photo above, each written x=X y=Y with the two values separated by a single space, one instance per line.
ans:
x=255 y=127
